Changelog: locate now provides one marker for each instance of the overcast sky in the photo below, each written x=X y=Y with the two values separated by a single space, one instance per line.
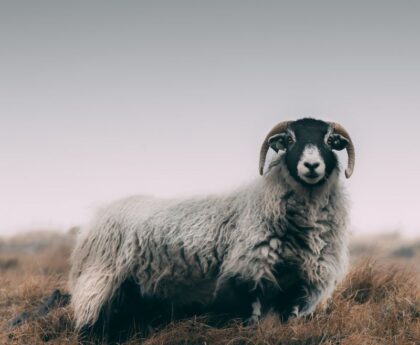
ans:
x=100 y=100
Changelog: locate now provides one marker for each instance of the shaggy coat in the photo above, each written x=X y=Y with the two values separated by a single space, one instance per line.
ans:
x=272 y=245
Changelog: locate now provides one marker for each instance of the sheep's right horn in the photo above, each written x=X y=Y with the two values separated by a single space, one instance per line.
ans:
x=279 y=128
x=350 y=147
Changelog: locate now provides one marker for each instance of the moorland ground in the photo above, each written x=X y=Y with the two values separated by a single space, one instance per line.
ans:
x=377 y=304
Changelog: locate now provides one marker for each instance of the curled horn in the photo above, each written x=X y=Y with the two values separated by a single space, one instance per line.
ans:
x=279 y=128
x=337 y=128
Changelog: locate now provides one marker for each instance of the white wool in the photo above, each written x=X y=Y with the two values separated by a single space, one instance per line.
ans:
x=186 y=249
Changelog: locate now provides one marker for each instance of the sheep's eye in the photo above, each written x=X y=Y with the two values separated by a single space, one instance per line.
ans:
x=290 y=140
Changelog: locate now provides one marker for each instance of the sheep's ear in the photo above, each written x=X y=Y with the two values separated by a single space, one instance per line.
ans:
x=338 y=142
x=278 y=142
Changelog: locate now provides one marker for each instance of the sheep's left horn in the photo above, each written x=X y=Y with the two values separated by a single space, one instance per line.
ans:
x=279 y=128
x=350 y=147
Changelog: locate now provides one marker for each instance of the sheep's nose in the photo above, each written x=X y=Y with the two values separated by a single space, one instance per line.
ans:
x=311 y=166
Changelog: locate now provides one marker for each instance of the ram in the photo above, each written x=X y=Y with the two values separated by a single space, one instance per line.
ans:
x=277 y=245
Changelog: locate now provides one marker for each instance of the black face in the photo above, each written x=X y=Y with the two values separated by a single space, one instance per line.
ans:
x=309 y=146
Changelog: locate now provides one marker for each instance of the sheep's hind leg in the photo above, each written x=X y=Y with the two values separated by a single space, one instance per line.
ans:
x=118 y=319
x=94 y=334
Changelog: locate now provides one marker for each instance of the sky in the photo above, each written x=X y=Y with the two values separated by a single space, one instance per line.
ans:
x=104 y=99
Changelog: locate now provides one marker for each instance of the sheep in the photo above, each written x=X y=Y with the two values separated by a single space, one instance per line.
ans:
x=277 y=245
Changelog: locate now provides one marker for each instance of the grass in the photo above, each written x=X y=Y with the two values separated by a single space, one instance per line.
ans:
x=378 y=303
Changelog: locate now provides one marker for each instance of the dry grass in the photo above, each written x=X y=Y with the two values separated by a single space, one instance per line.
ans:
x=379 y=303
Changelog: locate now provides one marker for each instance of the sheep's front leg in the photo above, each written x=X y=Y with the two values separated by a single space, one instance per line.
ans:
x=256 y=313
x=268 y=256
x=307 y=304
x=304 y=304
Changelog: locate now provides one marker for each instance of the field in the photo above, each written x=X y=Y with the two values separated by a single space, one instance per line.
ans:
x=378 y=303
